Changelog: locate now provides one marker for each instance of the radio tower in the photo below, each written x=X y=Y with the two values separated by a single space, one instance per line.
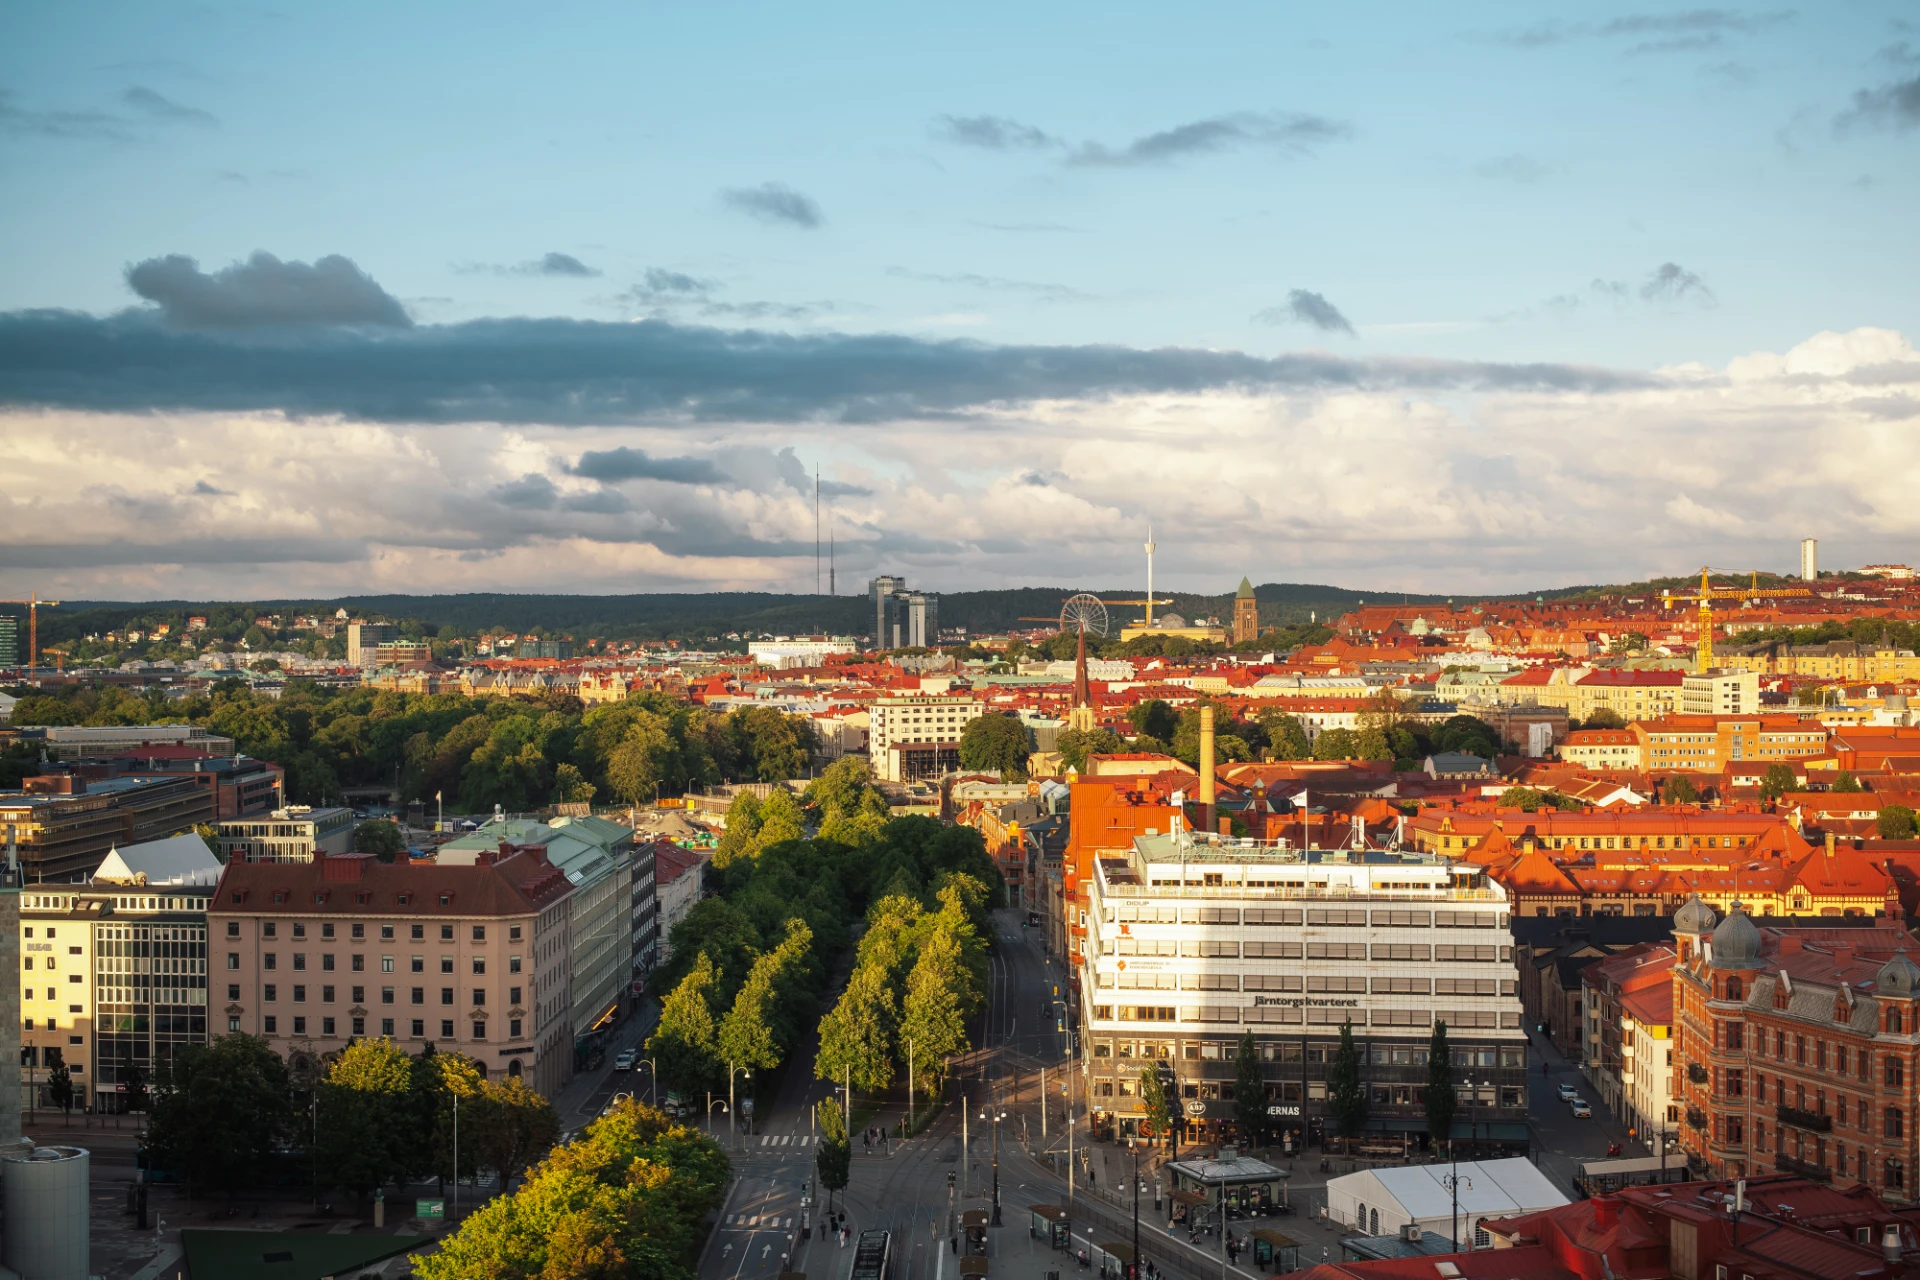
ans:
x=833 y=588
x=1149 y=575
x=816 y=530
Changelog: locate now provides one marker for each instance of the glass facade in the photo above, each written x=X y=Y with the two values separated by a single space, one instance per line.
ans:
x=150 y=999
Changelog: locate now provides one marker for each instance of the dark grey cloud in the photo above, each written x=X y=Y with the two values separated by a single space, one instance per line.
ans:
x=78 y=126
x=1893 y=106
x=557 y=264
x=157 y=107
x=996 y=133
x=203 y=489
x=794 y=473
x=614 y=465
x=1687 y=30
x=535 y=492
x=161 y=553
x=579 y=372
x=1671 y=282
x=998 y=284
x=1289 y=133
x=774 y=202
x=1306 y=307
x=663 y=283
x=263 y=291
x=676 y=294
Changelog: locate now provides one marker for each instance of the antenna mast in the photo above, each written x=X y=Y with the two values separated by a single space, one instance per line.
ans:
x=816 y=529
x=1149 y=575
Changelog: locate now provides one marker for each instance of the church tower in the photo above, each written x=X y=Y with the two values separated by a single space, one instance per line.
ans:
x=1246 y=614
x=1081 y=717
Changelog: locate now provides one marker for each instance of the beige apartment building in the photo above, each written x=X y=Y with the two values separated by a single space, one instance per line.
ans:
x=472 y=959
x=918 y=735
x=1712 y=742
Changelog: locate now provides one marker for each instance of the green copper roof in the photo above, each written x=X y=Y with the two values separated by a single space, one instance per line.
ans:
x=1246 y=590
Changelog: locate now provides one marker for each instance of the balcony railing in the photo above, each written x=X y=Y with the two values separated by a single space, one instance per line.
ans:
x=1809 y=1120
x=1805 y=1168
x=1697 y=1073
x=1696 y=1117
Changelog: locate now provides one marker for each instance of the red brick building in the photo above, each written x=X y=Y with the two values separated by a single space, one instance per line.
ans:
x=1800 y=1047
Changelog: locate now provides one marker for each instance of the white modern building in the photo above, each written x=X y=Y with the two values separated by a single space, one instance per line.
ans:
x=918 y=735
x=1194 y=940
x=1382 y=1201
x=291 y=834
x=1720 y=693
x=782 y=654
x=1809 y=559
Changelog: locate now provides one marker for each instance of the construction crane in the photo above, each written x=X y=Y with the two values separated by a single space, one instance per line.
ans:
x=33 y=603
x=1709 y=593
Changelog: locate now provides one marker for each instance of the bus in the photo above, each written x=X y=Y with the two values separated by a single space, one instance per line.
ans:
x=872 y=1255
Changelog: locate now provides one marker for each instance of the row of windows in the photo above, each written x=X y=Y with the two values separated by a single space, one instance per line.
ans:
x=270 y=960
x=1399 y=917
x=270 y=993
x=418 y=1030
x=1319 y=1052
x=1421 y=952
x=1340 y=983
x=416 y=932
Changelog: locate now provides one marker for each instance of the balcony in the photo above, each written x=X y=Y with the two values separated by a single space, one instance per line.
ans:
x=1696 y=1117
x=1697 y=1073
x=1811 y=1121
x=1806 y=1169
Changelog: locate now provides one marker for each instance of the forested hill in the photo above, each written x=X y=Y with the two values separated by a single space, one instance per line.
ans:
x=667 y=615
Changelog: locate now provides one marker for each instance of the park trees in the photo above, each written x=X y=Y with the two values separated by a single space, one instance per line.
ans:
x=1346 y=1095
x=220 y=1112
x=834 y=1158
x=1441 y=1099
x=365 y=1130
x=996 y=742
x=1777 y=781
x=685 y=1043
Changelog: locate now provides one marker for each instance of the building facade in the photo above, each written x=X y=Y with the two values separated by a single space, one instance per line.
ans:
x=1711 y=743
x=296 y=833
x=364 y=640
x=1246 y=614
x=1800 y=1048
x=1192 y=942
x=65 y=826
x=1720 y=693
x=918 y=735
x=469 y=958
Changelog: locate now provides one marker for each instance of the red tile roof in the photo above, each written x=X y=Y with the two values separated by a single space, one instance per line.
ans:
x=521 y=882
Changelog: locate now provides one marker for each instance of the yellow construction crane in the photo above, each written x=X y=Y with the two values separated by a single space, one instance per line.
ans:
x=33 y=603
x=1709 y=593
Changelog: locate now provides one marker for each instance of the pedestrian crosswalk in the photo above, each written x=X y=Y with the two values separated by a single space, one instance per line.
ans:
x=785 y=1139
x=758 y=1221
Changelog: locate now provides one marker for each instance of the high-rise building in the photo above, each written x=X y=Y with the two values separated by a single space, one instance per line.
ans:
x=9 y=640
x=902 y=617
x=1192 y=942
x=882 y=591
x=918 y=735
x=1809 y=559
x=1246 y=614
x=365 y=638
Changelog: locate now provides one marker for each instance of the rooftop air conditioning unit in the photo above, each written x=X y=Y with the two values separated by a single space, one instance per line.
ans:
x=1410 y=1232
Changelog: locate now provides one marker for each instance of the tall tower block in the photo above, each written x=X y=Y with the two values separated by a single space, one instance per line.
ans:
x=1246 y=614
x=1809 y=559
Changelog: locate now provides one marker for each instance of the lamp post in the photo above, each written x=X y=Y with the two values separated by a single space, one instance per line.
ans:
x=997 y=1115
x=1453 y=1183
x=1132 y=1146
x=653 y=1079
x=721 y=1103
x=454 y=1217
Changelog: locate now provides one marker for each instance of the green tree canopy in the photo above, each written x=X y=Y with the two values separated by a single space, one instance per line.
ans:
x=1249 y=1090
x=1155 y=1103
x=1346 y=1095
x=857 y=1035
x=1778 y=780
x=997 y=742
x=1895 y=822
x=684 y=1044
x=1680 y=790
x=1075 y=745
x=220 y=1112
x=1154 y=718
x=1441 y=1100
x=1286 y=737
x=1336 y=744
x=366 y=1126
x=1844 y=781
x=834 y=1156
x=380 y=837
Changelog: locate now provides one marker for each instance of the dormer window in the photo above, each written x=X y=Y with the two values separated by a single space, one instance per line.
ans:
x=446 y=899
x=1895 y=1023
x=405 y=899
x=1780 y=995
x=1734 y=989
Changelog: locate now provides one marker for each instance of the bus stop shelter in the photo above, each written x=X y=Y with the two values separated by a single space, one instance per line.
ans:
x=1275 y=1251
x=1113 y=1259
x=1050 y=1223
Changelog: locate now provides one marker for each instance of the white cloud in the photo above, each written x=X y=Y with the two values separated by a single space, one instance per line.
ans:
x=1382 y=489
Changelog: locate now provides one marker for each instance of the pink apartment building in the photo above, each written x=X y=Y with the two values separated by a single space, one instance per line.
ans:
x=472 y=959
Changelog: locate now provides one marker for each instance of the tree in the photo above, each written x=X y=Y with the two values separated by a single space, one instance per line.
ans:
x=1896 y=822
x=934 y=1016
x=1154 y=718
x=509 y=1124
x=684 y=1044
x=1075 y=745
x=780 y=819
x=834 y=1159
x=1844 y=782
x=220 y=1112
x=1346 y=1095
x=856 y=1036
x=1779 y=780
x=996 y=742
x=570 y=786
x=636 y=766
x=1286 y=737
x=1249 y=1090
x=1441 y=1101
x=60 y=1088
x=746 y=1040
x=379 y=837
x=1336 y=744
x=366 y=1138
x=1680 y=790
x=1524 y=799
x=1154 y=1101
x=135 y=1081
x=1604 y=718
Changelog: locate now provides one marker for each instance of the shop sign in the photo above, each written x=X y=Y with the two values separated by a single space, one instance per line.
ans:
x=1283 y=1109
x=1195 y=1107
x=1297 y=1002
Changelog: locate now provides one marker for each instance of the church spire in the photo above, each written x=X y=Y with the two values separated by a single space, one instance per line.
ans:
x=1082 y=715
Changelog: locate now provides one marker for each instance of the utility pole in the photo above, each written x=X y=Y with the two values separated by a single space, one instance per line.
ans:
x=455 y=1218
x=966 y=1149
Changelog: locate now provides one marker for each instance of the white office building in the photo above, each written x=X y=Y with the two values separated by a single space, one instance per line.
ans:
x=918 y=735
x=1193 y=941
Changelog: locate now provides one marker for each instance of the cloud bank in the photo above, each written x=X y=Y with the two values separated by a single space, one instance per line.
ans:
x=264 y=292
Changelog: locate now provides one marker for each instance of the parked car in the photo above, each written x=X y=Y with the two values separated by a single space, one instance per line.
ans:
x=1581 y=1111
x=1568 y=1093
x=626 y=1060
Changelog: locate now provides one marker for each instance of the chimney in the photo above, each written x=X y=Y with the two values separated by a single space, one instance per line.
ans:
x=1206 y=768
x=1890 y=1243
x=1606 y=1213
x=1830 y=842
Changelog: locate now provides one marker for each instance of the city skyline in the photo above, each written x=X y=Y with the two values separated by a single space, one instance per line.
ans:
x=1491 y=302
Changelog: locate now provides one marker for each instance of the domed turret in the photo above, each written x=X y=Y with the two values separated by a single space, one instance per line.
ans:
x=1694 y=917
x=1736 y=943
x=1897 y=977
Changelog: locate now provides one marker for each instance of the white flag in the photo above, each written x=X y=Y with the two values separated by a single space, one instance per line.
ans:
x=1300 y=799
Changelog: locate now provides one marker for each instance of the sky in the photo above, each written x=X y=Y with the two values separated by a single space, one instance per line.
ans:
x=366 y=298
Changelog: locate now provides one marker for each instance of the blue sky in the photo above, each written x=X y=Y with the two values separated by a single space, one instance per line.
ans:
x=1624 y=187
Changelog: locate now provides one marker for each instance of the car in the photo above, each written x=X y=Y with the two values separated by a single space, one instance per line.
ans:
x=626 y=1060
x=1568 y=1093
x=1581 y=1111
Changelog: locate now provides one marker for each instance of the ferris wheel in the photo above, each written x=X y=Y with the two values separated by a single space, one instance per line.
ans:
x=1084 y=613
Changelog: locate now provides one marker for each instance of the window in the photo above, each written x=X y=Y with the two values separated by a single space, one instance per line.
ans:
x=299 y=994
x=386 y=995
x=267 y=929
x=446 y=964
x=299 y=929
x=270 y=1023
x=359 y=932
x=326 y=995
x=513 y=1028
x=300 y=960
x=1895 y=1073
x=479 y=1031
x=513 y=995
x=326 y=963
x=269 y=960
x=446 y=1028
x=299 y=1026
x=419 y=995
x=479 y=995
x=513 y=964
x=1895 y=1125
x=386 y=933
x=1894 y=1022
x=386 y=1026
x=359 y=995
x=513 y=933
x=446 y=995
x=479 y=933
x=233 y=960
x=326 y=930
x=233 y=929
x=479 y=964
x=326 y=1026
x=233 y=991
x=233 y=1024
x=386 y=964
x=418 y=964
x=359 y=963
x=418 y=933
x=269 y=992
x=419 y=1028
x=446 y=933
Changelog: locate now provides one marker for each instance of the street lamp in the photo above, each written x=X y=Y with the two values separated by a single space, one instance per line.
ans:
x=721 y=1103
x=1453 y=1182
x=997 y=1116
x=653 y=1079
x=1133 y=1147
